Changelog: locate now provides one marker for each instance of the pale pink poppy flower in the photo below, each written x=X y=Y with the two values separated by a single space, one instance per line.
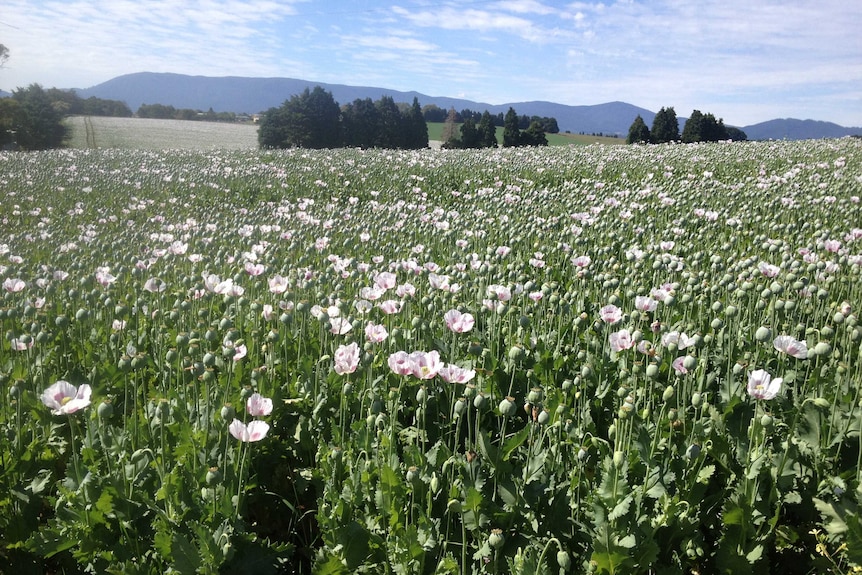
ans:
x=678 y=365
x=503 y=251
x=227 y=287
x=581 y=261
x=13 y=285
x=503 y=293
x=661 y=294
x=611 y=314
x=768 y=270
x=833 y=246
x=118 y=325
x=681 y=340
x=64 y=398
x=278 y=284
x=257 y=405
x=645 y=303
x=254 y=431
x=340 y=325
x=667 y=245
x=178 y=248
x=239 y=352
x=363 y=306
x=211 y=282
x=316 y=311
x=390 y=306
x=346 y=358
x=18 y=345
x=105 y=278
x=458 y=322
x=400 y=363
x=440 y=282
x=373 y=293
x=621 y=340
x=425 y=365
x=645 y=347
x=254 y=269
x=405 y=290
x=267 y=312
x=536 y=295
x=762 y=386
x=385 y=280
x=155 y=285
x=791 y=346
x=453 y=374
x=375 y=333
x=59 y=275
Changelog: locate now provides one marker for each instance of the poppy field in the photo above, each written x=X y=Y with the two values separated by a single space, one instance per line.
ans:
x=610 y=360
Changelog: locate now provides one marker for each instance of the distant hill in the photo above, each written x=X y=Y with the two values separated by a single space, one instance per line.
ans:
x=792 y=129
x=253 y=95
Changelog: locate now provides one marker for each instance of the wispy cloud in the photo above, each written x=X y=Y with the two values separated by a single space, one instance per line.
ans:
x=735 y=58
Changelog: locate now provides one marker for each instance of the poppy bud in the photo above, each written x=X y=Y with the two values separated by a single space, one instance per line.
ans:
x=496 y=539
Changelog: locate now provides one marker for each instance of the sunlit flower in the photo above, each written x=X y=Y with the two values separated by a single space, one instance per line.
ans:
x=425 y=365
x=64 y=398
x=390 y=306
x=645 y=303
x=400 y=364
x=155 y=285
x=680 y=340
x=611 y=314
x=346 y=358
x=621 y=340
x=385 y=280
x=340 y=325
x=768 y=270
x=254 y=431
x=105 y=278
x=278 y=284
x=257 y=405
x=678 y=365
x=791 y=346
x=20 y=345
x=118 y=325
x=458 y=322
x=254 y=269
x=13 y=285
x=375 y=333
x=453 y=374
x=762 y=386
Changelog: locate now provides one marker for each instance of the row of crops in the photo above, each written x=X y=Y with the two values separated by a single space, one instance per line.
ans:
x=638 y=359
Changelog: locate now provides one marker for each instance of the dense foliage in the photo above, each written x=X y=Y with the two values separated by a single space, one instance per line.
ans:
x=626 y=359
x=167 y=112
x=313 y=119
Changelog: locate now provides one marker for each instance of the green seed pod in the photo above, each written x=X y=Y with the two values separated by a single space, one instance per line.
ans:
x=507 y=406
x=564 y=560
x=453 y=506
x=821 y=402
x=763 y=333
x=480 y=401
x=652 y=370
x=619 y=459
x=496 y=539
x=668 y=393
x=822 y=348
x=696 y=399
x=544 y=417
x=105 y=409
x=460 y=407
x=213 y=476
x=766 y=421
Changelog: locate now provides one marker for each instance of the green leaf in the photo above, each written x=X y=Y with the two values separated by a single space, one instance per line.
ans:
x=332 y=566
x=620 y=509
x=49 y=542
x=705 y=473
x=186 y=559
x=514 y=442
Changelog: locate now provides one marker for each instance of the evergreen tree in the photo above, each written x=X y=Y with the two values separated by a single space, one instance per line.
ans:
x=391 y=124
x=311 y=119
x=665 y=127
x=470 y=137
x=487 y=131
x=693 y=131
x=534 y=135
x=511 y=131
x=418 y=128
x=713 y=130
x=735 y=134
x=361 y=123
x=638 y=132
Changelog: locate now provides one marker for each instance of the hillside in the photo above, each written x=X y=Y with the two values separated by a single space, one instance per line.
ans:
x=252 y=95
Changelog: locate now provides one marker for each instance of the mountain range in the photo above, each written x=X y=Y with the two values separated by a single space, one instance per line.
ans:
x=253 y=95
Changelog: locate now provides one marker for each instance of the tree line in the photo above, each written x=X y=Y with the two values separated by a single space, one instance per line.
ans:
x=699 y=127
x=484 y=133
x=313 y=119
x=168 y=112
x=434 y=113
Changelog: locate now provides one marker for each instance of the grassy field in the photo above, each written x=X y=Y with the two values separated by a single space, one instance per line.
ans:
x=149 y=134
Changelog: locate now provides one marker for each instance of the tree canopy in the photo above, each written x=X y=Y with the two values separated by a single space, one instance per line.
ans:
x=665 y=126
x=313 y=119
x=638 y=132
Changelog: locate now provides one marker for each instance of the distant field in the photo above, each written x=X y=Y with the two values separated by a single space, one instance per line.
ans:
x=435 y=131
x=149 y=134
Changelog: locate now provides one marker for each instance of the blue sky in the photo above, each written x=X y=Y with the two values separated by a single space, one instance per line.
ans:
x=746 y=61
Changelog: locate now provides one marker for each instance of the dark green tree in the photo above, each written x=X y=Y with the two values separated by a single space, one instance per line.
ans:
x=12 y=120
x=665 y=127
x=43 y=127
x=470 y=137
x=534 y=135
x=736 y=134
x=434 y=113
x=417 y=127
x=511 y=131
x=361 y=123
x=638 y=132
x=713 y=130
x=693 y=131
x=391 y=124
x=487 y=131
x=311 y=119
